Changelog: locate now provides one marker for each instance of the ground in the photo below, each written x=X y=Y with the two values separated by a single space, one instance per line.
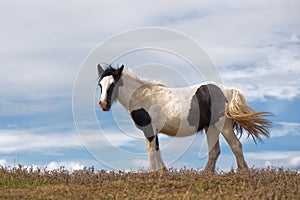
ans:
x=24 y=183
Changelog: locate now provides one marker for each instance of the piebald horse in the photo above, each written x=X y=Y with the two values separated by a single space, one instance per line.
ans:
x=156 y=108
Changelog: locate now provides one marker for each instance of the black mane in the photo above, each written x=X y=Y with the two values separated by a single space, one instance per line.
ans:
x=108 y=71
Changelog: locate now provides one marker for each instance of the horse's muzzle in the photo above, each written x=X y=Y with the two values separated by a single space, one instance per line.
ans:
x=104 y=105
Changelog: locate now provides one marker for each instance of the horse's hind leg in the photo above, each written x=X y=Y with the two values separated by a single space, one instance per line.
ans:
x=212 y=137
x=234 y=143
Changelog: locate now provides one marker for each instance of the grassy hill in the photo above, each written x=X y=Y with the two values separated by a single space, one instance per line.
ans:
x=27 y=183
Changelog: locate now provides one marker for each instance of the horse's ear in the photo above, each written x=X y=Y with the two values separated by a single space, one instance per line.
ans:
x=120 y=70
x=100 y=69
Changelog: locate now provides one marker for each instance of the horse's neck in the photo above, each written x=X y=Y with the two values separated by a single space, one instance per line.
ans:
x=126 y=89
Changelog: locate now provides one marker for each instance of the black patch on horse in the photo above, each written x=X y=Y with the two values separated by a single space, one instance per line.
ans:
x=207 y=106
x=141 y=117
x=109 y=95
x=143 y=121
x=156 y=142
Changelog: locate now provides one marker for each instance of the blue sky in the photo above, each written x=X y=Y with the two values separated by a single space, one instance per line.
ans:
x=255 y=46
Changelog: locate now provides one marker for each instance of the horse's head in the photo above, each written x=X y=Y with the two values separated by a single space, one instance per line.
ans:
x=108 y=79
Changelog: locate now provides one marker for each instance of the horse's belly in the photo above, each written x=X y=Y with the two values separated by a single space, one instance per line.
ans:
x=178 y=129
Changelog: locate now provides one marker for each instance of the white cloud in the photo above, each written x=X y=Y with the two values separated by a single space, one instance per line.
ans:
x=50 y=41
x=53 y=165
x=68 y=165
x=286 y=159
x=31 y=140
x=255 y=53
x=294 y=162
x=32 y=107
x=276 y=74
x=97 y=139
x=41 y=139
x=294 y=39
x=3 y=162
x=286 y=128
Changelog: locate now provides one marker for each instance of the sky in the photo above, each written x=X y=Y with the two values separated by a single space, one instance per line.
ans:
x=44 y=44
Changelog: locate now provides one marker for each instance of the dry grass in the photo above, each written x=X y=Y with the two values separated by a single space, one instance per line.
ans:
x=23 y=183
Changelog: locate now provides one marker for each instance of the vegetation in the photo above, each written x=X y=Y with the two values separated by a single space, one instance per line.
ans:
x=29 y=183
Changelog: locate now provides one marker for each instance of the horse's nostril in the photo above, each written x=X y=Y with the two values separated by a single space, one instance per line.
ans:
x=104 y=105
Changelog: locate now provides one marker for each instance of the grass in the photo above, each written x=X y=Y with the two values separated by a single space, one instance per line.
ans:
x=29 y=183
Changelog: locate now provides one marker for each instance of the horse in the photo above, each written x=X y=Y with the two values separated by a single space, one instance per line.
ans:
x=156 y=108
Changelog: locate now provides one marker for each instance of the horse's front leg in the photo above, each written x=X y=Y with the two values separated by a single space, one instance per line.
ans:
x=143 y=121
x=154 y=155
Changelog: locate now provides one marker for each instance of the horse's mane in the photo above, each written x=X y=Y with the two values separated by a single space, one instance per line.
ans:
x=144 y=81
x=109 y=69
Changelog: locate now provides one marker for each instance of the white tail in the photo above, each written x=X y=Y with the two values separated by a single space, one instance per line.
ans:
x=246 y=118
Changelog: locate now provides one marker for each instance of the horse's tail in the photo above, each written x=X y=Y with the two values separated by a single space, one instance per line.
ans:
x=246 y=118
